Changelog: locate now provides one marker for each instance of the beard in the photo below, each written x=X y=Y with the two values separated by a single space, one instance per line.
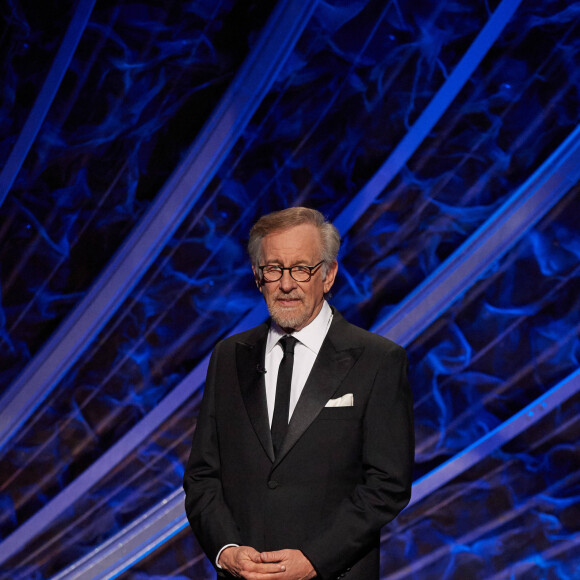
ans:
x=284 y=317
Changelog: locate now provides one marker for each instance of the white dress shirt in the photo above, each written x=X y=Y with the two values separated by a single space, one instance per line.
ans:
x=310 y=339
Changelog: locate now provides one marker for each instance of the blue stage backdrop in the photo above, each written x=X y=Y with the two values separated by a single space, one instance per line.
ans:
x=139 y=140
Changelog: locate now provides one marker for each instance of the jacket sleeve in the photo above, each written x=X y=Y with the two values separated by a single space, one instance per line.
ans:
x=206 y=509
x=385 y=489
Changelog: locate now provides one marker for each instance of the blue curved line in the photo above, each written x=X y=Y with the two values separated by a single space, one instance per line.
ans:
x=503 y=433
x=429 y=117
x=525 y=207
x=45 y=97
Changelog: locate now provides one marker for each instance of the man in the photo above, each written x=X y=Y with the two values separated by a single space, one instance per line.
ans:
x=304 y=445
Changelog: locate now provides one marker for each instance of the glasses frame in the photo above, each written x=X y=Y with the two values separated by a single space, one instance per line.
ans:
x=281 y=270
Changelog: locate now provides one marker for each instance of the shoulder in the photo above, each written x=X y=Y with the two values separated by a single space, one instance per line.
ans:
x=350 y=334
x=252 y=336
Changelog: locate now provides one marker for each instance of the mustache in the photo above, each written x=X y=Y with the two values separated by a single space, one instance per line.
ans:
x=287 y=296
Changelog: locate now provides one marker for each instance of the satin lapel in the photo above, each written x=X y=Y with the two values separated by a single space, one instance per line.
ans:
x=249 y=358
x=327 y=374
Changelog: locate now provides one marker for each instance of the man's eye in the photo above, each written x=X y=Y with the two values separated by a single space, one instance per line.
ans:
x=269 y=269
x=302 y=269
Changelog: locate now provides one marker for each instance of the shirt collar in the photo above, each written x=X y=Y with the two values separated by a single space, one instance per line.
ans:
x=311 y=336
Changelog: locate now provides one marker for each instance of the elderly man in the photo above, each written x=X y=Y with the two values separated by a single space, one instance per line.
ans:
x=304 y=443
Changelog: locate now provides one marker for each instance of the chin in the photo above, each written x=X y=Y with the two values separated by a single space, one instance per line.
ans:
x=287 y=318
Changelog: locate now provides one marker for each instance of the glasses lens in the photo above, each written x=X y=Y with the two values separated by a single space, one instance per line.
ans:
x=300 y=273
x=271 y=273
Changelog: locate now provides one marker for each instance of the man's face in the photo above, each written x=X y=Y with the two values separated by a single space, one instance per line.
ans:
x=293 y=305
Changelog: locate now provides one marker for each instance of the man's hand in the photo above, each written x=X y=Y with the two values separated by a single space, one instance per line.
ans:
x=245 y=562
x=297 y=565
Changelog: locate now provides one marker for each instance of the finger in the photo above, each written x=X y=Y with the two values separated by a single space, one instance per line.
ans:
x=272 y=568
x=274 y=556
x=253 y=555
x=261 y=570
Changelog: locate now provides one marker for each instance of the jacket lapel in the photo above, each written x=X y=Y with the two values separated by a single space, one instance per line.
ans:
x=249 y=361
x=333 y=363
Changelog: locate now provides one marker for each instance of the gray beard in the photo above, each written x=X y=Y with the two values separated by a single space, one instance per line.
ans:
x=286 y=319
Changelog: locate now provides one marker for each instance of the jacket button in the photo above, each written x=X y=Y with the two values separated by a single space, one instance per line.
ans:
x=272 y=484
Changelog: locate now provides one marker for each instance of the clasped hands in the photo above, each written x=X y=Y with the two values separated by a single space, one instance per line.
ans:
x=246 y=562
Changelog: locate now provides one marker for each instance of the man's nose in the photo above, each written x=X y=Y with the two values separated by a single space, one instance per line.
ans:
x=287 y=283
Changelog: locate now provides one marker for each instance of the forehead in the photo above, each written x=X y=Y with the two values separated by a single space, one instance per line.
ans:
x=299 y=243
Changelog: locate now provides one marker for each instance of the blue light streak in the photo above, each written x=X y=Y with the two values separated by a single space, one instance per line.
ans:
x=45 y=97
x=429 y=117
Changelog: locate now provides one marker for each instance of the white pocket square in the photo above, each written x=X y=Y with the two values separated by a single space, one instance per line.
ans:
x=344 y=401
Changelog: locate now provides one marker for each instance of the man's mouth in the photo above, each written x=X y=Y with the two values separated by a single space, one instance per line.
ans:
x=287 y=301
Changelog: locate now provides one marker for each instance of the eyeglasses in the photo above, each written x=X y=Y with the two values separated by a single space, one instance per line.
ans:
x=271 y=273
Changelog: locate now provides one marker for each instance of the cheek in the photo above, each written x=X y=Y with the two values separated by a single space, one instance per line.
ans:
x=317 y=292
x=267 y=291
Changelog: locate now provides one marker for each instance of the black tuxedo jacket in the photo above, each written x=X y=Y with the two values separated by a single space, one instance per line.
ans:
x=342 y=472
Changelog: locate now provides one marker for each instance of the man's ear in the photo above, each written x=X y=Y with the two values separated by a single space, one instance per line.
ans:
x=257 y=279
x=330 y=276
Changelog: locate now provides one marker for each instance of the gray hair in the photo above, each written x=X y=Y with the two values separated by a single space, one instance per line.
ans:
x=288 y=218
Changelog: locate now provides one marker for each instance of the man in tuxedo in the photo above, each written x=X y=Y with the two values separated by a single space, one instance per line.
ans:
x=304 y=443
